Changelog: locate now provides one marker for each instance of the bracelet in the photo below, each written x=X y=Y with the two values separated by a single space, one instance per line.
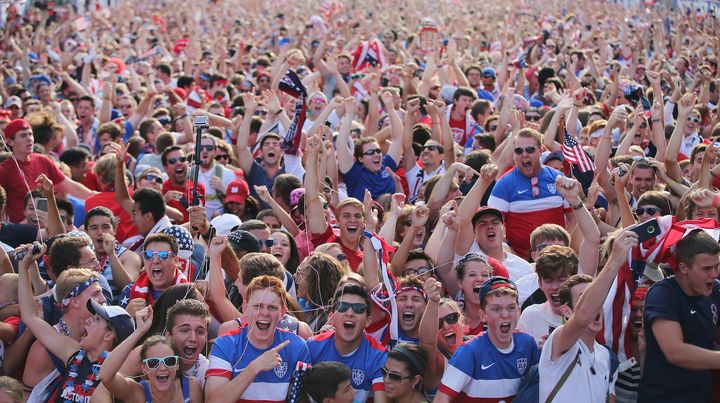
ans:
x=716 y=200
x=656 y=120
x=578 y=206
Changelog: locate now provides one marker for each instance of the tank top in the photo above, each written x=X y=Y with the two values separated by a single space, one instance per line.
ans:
x=184 y=385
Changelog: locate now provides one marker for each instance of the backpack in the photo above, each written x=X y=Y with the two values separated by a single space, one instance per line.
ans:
x=529 y=389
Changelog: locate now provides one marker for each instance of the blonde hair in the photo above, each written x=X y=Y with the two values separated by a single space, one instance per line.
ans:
x=104 y=169
x=9 y=283
x=69 y=279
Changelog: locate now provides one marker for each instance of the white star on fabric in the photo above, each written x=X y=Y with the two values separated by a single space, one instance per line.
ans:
x=124 y=301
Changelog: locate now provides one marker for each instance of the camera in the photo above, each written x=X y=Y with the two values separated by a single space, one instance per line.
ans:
x=36 y=248
x=201 y=121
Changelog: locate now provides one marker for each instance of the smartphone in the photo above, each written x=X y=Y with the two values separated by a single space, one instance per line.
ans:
x=42 y=204
x=647 y=230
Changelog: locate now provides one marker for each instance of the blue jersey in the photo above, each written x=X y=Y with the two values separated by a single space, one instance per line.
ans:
x=232 y=353
x=358 y=178
x=479 y=372
x=365 y=363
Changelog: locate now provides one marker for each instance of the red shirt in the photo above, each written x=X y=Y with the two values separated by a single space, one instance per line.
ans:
x=458 y=129
x=187 y=197
x=16 y=182
x=90 y=180
x=125 y=226
x=354 y=257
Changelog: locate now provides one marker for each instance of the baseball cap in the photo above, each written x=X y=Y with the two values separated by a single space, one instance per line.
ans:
x=555 y=155
x=295 y=196
x=486 y=210
x=13 y=101
x=494 y=283
x=118 y=318
x=237 y=191
x=15 y=126
x=224 y=224
x=244 y=240
x=488 y=72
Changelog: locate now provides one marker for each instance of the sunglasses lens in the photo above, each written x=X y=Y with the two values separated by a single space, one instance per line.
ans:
x=341 y=257
x=359 y=309
x=163 y=255
x=152 y=363
x=171 y=361
x=148 y=255
x=342 y=307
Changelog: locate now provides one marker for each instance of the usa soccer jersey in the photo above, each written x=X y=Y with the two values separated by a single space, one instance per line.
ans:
x=232 y=353
x=527 y=205
x=365 y=363
x=479 y=372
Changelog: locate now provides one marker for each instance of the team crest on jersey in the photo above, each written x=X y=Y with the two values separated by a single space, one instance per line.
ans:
x=281 y=369
x=551 y=187
x=358 y=376
x=522 y=365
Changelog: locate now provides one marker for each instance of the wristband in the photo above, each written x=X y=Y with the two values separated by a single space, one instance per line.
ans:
x=656 y=120
x=578 y=206
x=716 y=200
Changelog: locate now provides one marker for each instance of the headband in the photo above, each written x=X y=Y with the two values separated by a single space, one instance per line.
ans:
x=411 y=288
x=77 y=290
x=640 y=294
x=410 y=357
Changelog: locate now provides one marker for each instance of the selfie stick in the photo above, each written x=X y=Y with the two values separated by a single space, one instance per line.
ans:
x=201 y=122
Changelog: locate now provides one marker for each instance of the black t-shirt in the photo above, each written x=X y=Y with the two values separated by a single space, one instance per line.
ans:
x=698 y=319
x=15 y=235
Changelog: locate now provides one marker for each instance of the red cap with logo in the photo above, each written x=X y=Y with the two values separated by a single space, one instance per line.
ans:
x=15 y=126
x=237 y=191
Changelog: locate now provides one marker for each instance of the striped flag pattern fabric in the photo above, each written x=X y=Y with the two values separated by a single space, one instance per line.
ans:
x=573 y=153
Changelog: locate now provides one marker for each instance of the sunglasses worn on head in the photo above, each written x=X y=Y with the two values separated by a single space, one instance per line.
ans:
x=528 y=150
x=372 y=152
x=174 y=160
x=451 y=319
x=357 y=307
x=152 y=178
x=170 y=361
x=162 y=254
x=420 y=271
x=393 y=376
x=222 y=157
x=640 y=211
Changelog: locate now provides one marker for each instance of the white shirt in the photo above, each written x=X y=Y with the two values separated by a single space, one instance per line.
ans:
x=581 y=386
x=689 y=142
x=526 y=286
x=416 y=176
x=212 y=202
x=536 y=320
x=516 y=266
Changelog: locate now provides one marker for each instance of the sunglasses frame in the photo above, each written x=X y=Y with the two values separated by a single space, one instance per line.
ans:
x=372 y=152
x=163 y=361
x=176 y=159
x=150 y=255
x=343 y=307
x=393 y=376
x=526 y=150
x=455 y=318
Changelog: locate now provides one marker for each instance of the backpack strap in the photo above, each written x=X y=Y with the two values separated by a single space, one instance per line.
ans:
x=563 y=378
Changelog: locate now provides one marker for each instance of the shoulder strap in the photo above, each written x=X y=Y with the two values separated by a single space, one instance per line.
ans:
x=185 y=386
x=563 y=378
x=146 y=389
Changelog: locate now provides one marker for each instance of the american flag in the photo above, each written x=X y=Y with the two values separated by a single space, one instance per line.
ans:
x=296 y=388
x=82 y=23
x=330 y=7
x=573 y=153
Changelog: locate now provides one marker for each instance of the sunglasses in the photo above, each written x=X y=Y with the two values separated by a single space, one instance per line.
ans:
x=269 y=242
x=165 y=121
x=263 y=80
x=393 y=376
x=640 y=211
x=261 y=112
x=357 y=307
x=528 y=150
x=208 y=147
x=450 y=319
x=170 y=361
x=540 y=247
x=372 y=152
x=162 y=254
x=420 y=271
x=341 y=257
x=152 y=178
x=694 y=119
x=432 y=148
x=222 y=157
x=643 y=125
x=492 y=128
x=174 y=160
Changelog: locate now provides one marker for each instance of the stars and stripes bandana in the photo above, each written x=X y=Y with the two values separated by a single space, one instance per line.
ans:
x=296 y=388
x=293 y=86
x=77 y=290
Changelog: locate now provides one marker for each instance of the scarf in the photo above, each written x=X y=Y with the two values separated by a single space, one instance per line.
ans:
x=141 y=287
x=293 y=86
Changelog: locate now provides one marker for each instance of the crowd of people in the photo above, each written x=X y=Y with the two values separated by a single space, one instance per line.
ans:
x=342 y=201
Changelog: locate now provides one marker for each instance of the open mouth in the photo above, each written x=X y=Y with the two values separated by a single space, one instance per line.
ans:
x=408 y=316
x=527 y=164
x=491 y=235
x=189 y=351
x=271 y=154
x=352 y=229
x=278 y=255
x=419 y=236
x=555 y=298
x=450 y=338
x=505 y=328
x=349 y=325
x=637 y=324
x=157 y=274
x=162 y=379
x=262 y=324
x=476 y=289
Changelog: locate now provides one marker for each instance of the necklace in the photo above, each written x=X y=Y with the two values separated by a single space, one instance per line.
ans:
x=154 y=399
x=592 y=363
x=92 y=379
x=63 y=327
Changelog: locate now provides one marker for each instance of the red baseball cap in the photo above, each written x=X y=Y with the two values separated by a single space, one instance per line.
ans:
x=237 y=191
x=15 y=126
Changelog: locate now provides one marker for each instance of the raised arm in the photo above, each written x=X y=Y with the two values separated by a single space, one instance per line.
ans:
x=122 y=195
x=60 y=345
x=285 y=219
x=409 y=159
x=396 y=128
x=225 y=309
x=469 y=206
x=313 y=207
x=428 y=331
x=570 y=189
x=55 y=224
x=593 y=297
x=242 y=128
x=342 y=145
x=685 y=106
x=119 y=385
x=419 y=219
